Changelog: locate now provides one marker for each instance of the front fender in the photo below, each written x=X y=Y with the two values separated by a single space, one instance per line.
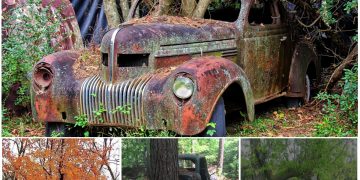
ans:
x=212 y=75
x=58 y=103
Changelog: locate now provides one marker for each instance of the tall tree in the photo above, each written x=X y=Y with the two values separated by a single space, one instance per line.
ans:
x=220 y=164
x=163 y=159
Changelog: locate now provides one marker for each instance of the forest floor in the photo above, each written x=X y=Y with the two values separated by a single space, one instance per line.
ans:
x=274 y=119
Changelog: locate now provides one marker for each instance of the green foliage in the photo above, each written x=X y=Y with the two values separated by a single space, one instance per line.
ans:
x=351 y=5
x=57 y=134
x=211 y=132
x=259 y=125
x=81 y=121
x=303 y=158
x=30 y=31
x=341 y=116
x=143 y=132
x=126 y=109
x=21 y=126
x=136 y=151
x=326 y=11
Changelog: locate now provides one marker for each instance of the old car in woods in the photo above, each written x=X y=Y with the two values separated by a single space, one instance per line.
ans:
x=193 y=167
x=178 y=74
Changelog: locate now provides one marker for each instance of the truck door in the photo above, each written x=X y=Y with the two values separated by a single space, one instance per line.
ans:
x=264 y=39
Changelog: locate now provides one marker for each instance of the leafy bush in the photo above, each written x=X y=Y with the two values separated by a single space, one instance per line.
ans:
x=341 y=116
x=29 y=30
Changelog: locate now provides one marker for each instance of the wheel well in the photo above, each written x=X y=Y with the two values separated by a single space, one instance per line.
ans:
x=311 y=71
x=234 y=98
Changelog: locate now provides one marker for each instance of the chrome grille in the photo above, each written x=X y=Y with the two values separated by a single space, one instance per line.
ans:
x=95 y=94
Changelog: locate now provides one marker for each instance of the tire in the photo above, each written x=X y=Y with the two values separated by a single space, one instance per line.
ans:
x=217 y=117
x=57 y=129
x=297 y=102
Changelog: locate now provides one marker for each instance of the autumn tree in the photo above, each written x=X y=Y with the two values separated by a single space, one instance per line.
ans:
x=60 y=159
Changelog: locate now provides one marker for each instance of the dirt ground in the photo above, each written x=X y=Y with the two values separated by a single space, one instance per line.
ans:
x=274 y=119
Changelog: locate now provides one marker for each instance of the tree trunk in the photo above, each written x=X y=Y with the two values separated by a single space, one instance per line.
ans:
x=111 y=12
x=337 y=74
x=164 y=7
x=220 y=164
x=187 y=7
x=201 y=8
x=124 y=5
x=163 y=159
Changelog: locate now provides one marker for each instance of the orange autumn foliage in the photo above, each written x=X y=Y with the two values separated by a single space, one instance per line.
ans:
x=44 y=159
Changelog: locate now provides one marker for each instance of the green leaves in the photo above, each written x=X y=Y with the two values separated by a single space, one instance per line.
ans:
x=81 y=121
x=30 y=31
x=341 y=117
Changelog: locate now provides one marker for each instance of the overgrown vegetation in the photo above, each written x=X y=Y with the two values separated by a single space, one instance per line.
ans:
x=136 y=151
x=340 y=109
x=298 y=159
x=30 y=34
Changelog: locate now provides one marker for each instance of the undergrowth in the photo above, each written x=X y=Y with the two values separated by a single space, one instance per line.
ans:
x=30 y=34
x=340 y=110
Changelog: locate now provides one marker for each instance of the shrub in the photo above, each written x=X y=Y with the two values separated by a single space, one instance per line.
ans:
x=341 y=116
x=29 y=30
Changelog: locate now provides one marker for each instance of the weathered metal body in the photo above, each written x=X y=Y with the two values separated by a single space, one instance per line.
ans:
x=245 y=64
x=198 y=172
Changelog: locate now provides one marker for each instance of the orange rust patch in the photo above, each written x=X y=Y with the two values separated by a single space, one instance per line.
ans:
x=87 y=64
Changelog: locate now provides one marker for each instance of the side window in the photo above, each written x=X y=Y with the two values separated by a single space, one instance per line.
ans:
x=223 y=10
x=264 y=12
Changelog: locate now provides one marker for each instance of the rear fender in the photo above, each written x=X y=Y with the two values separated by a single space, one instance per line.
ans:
x=303 y=56
x=212 y=75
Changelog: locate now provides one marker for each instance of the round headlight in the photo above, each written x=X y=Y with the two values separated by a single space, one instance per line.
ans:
x=183 y=87
x=43 y=76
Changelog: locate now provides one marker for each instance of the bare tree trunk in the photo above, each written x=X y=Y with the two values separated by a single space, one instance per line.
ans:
x=124 y=5
x=163 y=159
x=137 y=11
x=201 y=8
x=111 y=12
x=164 y=7
x=220 y=164
x=134 y=10
x=187 y=7
x=337 y=74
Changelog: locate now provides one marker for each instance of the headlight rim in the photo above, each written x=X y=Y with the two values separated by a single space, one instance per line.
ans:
x=185 y=76
x=43 y=75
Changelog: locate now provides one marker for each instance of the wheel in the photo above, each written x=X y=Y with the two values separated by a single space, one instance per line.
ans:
x=218 y=117
x=297 y=102
x=57 y=129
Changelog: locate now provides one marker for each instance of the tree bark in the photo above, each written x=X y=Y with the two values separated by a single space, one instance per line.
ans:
x=111 y=12
x=164 y=7
x=124 y=5
x=337 y=74
x=187 y=7
x=201 y=8
x=163 y=159
x=220 y=164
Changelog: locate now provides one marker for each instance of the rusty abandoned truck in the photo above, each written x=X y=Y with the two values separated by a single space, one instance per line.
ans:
x=178 y=74
x=197 y=169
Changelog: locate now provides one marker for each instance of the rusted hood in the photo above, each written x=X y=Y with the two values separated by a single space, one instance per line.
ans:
x=144 y=36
